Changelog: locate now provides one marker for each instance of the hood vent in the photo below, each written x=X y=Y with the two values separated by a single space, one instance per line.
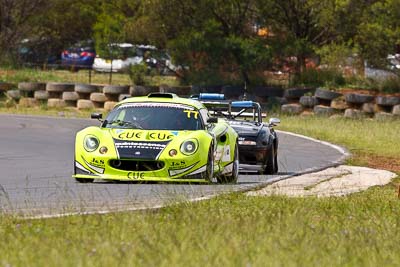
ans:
x=161 y=95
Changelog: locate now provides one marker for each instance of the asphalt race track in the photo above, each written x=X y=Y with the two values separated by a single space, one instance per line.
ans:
x=36 y=160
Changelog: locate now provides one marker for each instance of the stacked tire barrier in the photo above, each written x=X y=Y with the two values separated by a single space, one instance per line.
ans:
x=81 y=96
x=324 y=102
x=293 y=101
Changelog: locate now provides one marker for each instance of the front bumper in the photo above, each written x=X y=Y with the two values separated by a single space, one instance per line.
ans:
x=191 y=173
x=252 y=155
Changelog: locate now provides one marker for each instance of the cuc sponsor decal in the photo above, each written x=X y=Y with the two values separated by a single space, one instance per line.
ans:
x=130 y=135
x=160 y=136
x=136 y=175
x=141 y=135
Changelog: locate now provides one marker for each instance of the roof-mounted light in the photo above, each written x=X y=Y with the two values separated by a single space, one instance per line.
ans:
x=242 y=104
x=211 y=96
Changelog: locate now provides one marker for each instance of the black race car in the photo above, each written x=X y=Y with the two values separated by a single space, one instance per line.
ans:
x=258 y=141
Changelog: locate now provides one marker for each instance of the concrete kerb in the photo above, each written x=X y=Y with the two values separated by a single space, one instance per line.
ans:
x=241 y=189
x=345 y=154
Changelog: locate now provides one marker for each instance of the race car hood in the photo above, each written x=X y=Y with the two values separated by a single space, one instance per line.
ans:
x=142 y=144
x=244 y=128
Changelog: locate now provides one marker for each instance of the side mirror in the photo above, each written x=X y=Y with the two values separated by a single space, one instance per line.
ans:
x=212 y=120
x=274 y=122
x=97 y=116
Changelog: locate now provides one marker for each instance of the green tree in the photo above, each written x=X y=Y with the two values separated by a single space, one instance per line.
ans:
x=110 y=24
x=16 y=23
x=214 y=39
x=379 y=32
x=299 y=26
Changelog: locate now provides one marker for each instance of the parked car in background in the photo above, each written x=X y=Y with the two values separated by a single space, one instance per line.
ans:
x=161 y=61
x=121 y=56
x=394 y=61
x=37 y=52
x=79 y=56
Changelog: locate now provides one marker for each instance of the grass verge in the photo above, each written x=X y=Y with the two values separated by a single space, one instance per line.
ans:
x=82 y=76
x=359 y=230
x=234 y=230
x=372 y=143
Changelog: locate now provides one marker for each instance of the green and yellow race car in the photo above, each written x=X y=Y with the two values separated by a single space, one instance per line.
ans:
x=159 y=137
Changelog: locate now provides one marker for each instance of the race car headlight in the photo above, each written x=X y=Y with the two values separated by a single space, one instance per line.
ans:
x=91 y=143
x=189 y=147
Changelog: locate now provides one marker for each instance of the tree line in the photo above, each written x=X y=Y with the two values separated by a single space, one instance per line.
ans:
x=213 y=39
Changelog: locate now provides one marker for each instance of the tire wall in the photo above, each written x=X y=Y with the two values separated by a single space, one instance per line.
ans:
x=292 y=101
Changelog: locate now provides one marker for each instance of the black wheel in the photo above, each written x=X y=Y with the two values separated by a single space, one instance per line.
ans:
x=84 y=180
x=276 y=169
x=233 y=177
x=270 y=164
x=209 y=173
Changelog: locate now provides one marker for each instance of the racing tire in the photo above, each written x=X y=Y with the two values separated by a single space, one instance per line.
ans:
x=209 y=173
x=86 y=88
x=326 y=94
x=98 y=97
x=41 y=95
x=28 y=102
x=296 y=93
x=270 y=164
x=320 y=110
x=84 y=180
x=84 y=104
x=388 y=101
x=116 y=89
x=70 y=96
x=358 y=98
x=276 y=169
x=233 y=177
x=60 y=87
x=14 y=94
x=56 y=103
x=31 y=86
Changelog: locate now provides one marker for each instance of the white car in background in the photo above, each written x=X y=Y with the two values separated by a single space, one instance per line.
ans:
x=123 y=56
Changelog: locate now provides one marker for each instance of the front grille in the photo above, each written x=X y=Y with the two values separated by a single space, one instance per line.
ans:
x=252 y=155
x=136 y=165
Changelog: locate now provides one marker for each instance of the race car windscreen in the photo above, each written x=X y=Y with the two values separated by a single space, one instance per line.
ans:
x=154 y=116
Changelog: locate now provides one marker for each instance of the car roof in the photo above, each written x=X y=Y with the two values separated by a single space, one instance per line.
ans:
x=163 y=98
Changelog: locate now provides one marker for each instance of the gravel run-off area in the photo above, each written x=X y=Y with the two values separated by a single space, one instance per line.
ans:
x=337 y=181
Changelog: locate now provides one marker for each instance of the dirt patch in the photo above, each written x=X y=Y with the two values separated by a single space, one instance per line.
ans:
x=357 y=91
x=7 y=72
x=380 y=162
x=365 y=92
